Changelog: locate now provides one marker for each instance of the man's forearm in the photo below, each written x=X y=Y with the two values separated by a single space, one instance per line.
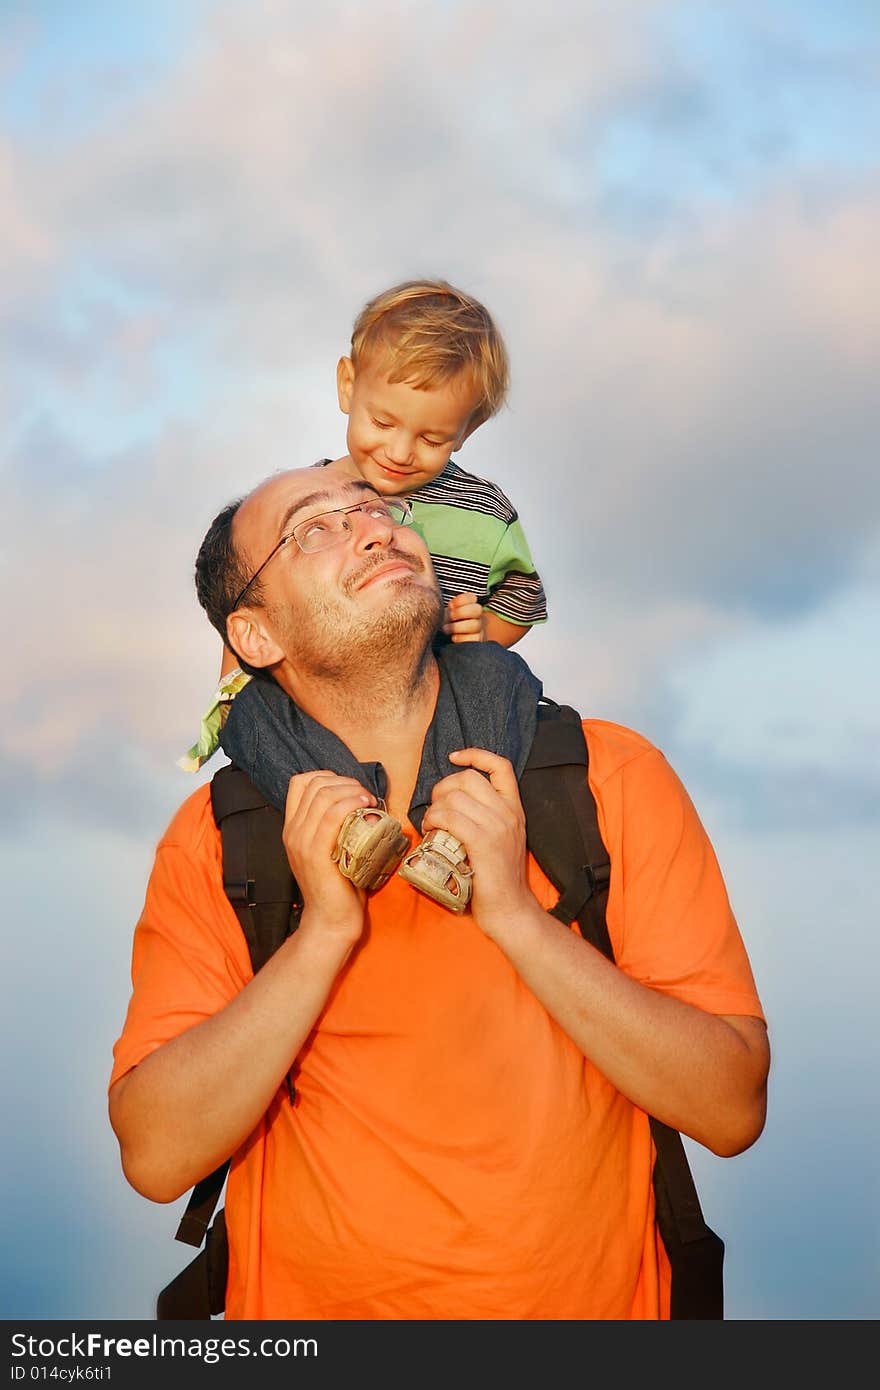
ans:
x=698 y=1072
x=189 y=1105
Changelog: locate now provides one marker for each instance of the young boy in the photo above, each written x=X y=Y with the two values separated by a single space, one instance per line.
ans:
x=427 y=367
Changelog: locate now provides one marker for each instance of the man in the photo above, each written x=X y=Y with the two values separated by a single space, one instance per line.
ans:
x=469 y=1138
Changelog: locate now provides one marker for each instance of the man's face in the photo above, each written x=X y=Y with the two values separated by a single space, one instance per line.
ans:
x=373 y=587
x=400 y=436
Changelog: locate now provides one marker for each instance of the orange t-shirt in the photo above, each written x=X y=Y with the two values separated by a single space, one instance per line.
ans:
x=451 y=1154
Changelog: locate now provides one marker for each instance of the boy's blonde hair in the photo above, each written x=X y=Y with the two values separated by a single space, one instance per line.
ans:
x=427 y=332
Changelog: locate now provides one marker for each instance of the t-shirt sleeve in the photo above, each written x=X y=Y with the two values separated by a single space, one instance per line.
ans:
x=515 y=589
x=189 y=958
x=669 y=916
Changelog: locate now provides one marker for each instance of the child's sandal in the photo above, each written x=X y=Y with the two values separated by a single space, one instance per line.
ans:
x=438 y=866
x=369 y=847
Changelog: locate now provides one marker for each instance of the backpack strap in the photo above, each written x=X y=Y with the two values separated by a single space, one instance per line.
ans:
x=256 y=874
x=265 y=896
x=564 y=836
x=568 y=846
x=196 y=1220
x=199 y=1290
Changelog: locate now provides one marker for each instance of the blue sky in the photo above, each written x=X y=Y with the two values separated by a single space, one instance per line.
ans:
x=673 y=211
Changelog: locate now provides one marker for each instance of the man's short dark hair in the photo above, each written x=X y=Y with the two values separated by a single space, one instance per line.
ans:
x=221 y=574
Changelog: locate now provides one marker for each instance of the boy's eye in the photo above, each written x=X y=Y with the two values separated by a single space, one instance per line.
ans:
x=381 y=424
x=434 y=443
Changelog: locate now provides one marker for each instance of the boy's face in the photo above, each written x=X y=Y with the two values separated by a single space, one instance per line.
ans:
x=399 y=438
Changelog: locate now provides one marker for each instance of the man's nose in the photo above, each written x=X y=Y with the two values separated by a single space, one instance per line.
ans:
x=370 y=530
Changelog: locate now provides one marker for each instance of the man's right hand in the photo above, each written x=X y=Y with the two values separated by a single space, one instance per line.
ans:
x=194 y=1100
x=317 y=804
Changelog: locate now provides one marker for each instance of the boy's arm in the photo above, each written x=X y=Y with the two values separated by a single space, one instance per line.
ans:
x=516 y=595
x=497 y=629
x=466 y=620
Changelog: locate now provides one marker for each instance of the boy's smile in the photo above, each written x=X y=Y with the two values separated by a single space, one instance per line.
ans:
x=401 y=436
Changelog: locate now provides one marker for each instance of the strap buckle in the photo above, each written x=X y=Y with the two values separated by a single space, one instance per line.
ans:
x=240 y=892
x=587 y=881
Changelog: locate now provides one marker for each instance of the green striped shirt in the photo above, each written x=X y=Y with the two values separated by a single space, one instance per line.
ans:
x=478 y=545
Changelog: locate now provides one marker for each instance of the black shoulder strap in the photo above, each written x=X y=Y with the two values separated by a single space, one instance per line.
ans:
x=264 y=893
x=564 y=836
x=562 y=825
x=256 y=873
x=198 y=1292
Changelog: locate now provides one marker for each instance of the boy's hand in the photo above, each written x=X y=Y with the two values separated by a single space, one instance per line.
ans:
x=463 y=620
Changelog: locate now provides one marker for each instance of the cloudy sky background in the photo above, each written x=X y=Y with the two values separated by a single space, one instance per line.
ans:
x=673 y=210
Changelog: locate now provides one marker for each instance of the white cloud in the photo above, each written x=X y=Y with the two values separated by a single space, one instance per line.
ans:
x=798 y=696
x=691 y=424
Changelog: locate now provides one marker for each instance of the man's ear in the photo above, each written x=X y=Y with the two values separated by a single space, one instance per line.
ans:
x=344 y=383
x=250 y=639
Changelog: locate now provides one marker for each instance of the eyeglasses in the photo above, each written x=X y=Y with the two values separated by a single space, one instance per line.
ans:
x=331 y=528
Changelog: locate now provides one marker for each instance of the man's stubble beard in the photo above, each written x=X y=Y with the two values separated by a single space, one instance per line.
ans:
x=331 y=642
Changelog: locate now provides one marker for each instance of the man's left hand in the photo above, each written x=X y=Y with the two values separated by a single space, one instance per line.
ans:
x=485 y=813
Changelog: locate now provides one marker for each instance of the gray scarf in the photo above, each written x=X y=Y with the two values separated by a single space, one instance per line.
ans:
x=488 y=698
